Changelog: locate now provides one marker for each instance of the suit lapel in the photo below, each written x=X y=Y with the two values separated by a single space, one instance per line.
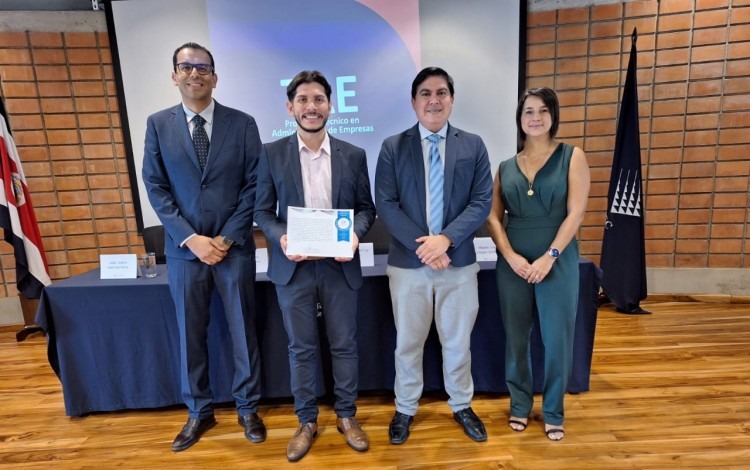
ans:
x=179 y=122
x=219 y=130
x=417 y=162
x=451 y=155
x=337 y=162
x=295 y=167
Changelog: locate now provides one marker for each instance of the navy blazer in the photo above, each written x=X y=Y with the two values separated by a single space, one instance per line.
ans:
x=400 y=194
x=280 y=185
x=217 y=201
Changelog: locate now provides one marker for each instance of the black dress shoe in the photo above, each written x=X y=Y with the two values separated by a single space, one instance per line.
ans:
x=192 y=432
x=399 y=428
x=255 y=430
x=473 y=426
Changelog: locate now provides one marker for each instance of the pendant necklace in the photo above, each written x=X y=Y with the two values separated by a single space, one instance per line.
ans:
x=530 y=192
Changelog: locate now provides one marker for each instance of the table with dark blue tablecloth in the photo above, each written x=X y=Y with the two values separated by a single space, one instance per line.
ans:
x=114 y=344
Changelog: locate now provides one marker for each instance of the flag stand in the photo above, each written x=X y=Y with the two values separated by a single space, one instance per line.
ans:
x=28 y=307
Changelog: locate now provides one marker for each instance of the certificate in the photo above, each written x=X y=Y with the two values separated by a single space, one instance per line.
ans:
x=326 y=233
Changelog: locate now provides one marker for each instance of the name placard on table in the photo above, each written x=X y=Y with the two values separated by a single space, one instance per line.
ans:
x=261 y=260
x=118 y=266
x=485 y=249
x=366 y=255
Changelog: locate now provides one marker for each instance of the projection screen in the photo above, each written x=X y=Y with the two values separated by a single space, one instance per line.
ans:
x=370 y=51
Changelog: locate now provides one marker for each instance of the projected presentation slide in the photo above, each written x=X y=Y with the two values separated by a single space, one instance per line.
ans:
x=369 y=50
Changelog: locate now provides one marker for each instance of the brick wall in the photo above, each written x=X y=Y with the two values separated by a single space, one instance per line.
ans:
x=694 y=90
x=694 y=103
x=60 y=95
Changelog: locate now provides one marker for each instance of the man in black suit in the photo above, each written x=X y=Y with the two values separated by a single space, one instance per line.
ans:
x=199 y=170
x=312 y=169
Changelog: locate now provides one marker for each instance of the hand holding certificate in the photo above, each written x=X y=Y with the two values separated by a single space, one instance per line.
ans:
x=320 y=232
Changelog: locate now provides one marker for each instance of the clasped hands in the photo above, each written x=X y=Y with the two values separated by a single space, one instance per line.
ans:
x=533 y=273
x=209 y=250
x=432 y=251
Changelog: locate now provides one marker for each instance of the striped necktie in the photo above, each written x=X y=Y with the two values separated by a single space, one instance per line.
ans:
x=200 y=140
x=436 y=186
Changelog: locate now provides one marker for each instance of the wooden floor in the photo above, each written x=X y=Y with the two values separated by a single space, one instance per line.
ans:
x=668 y=390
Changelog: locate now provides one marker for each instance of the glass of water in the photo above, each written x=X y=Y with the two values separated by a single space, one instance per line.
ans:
x=148 y=264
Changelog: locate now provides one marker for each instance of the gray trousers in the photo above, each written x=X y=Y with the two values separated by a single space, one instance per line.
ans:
x=450 y=297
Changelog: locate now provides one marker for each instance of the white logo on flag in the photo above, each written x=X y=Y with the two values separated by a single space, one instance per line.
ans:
x=627 y=200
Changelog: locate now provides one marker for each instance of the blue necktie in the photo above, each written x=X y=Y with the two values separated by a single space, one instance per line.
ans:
x=436 y=186
x=200 y=140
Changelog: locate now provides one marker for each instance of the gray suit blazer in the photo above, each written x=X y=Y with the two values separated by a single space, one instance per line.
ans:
x=400 y=194
x=280 y=184
x=217 y=201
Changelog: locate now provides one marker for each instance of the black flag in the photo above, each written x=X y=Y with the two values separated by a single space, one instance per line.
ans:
x=624 y=249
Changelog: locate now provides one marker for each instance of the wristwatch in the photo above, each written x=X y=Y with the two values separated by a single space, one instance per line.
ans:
x=554 y=252
x=228 y=241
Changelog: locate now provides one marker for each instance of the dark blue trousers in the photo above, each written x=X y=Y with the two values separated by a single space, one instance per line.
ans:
x=320 y=281
x=192 y=283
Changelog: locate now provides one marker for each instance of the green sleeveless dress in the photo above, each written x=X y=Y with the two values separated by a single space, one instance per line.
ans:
x=532 y=224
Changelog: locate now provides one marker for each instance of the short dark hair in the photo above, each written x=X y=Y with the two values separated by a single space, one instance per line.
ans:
x=191 y=45
x=307 y=76
x=428 y=72
x=549 y=98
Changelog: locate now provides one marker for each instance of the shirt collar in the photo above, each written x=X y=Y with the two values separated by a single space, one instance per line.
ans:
x=325 y=146
x=424 y=132
x=207 y=114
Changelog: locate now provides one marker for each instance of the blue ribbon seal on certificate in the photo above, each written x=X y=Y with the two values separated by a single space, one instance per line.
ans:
x=343 y=222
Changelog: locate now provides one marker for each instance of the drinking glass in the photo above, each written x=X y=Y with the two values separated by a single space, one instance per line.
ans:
x=148 y=264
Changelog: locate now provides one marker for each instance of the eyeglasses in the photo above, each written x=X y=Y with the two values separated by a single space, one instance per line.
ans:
x=186 y=68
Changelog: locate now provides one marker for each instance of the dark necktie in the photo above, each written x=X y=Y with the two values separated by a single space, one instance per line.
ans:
x=200 y=140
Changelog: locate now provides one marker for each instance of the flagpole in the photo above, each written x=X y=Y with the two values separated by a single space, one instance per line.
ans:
x=623 y=258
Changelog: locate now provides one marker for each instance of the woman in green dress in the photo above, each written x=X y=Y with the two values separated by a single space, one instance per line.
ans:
x=544 y=190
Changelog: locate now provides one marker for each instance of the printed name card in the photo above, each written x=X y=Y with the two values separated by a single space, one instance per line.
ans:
x=366 y=254
x=261 y=260
x=118 y=266
x=485 y=249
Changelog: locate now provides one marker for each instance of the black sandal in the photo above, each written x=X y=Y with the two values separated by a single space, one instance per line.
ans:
x=519 y=423
x=551 y=431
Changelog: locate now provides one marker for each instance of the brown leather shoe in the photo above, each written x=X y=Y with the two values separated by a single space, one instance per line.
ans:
x=301 y=441
x=352 y=431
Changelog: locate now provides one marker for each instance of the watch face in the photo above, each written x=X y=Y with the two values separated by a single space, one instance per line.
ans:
x=343 y=223
x=554 y=252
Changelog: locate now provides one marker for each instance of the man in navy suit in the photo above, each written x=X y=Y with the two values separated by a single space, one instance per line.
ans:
x=433 y=189
x=312 y=169
x=199 y=169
